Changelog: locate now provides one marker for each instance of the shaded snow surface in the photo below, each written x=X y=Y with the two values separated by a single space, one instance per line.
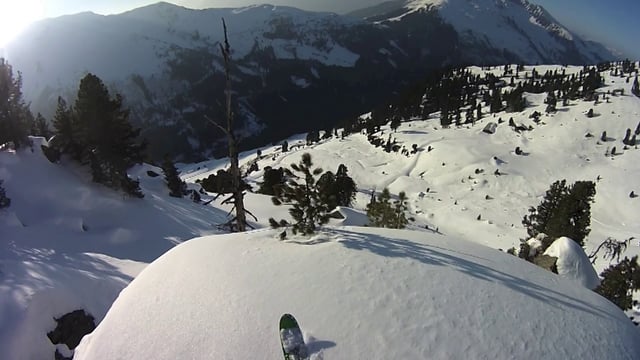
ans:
x=358 y=293
x=573 y=263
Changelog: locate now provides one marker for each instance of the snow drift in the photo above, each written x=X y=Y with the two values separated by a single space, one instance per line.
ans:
x=573 y=263
x=358 y=293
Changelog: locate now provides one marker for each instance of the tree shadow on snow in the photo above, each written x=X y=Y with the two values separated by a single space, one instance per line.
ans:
x=463 y=262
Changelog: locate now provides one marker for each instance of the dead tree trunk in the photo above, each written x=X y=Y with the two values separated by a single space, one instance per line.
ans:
x=239 y=222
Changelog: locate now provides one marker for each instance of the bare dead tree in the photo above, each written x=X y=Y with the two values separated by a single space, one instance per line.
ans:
x=612 y=249
x=239 y=222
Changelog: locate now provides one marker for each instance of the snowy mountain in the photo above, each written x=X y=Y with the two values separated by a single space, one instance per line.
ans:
x=441 y=288
x=491 y=31
x=165 y=60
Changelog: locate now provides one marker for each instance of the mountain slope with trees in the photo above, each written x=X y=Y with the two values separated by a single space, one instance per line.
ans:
x=164 y=60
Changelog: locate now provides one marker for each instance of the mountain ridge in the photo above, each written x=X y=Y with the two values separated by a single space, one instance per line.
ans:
x=164 y=59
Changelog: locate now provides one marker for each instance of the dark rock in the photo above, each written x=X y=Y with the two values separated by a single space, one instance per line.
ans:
x=546 y=262
x=71 y=328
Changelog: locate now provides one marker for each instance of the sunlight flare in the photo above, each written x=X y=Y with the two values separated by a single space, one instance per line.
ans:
x=15 y=16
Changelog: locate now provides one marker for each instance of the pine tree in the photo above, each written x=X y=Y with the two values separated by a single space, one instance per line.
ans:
x=345 y=187
x=635 y=89
x=496 y=101
x=313 y=136
x=564 y=211
x=620 y=281
x=383 y=213
x=14 y=113
x=395 y=123
x=327 y=190
x=107 y=139
x=379 y=209
x=515 y=100
x=177 y=187
x=4 y=200
x=307 y=208
x=41 y=127
x=627 y=137
x=129 y=186
x=272 y=181
x=400 y=208
x=445 y=118
x=551 y=101
x=64 y=124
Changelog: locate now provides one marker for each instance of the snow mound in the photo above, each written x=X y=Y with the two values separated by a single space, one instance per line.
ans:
x=351 y=217
x=573 y=263
x=358 y=293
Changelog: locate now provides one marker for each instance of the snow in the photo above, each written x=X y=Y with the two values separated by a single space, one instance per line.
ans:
x=357 y=293
x=573 y=263
x=67 y=244
x=440 y=289
x=351 y=217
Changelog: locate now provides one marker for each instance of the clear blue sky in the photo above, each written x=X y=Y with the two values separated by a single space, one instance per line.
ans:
x=615 y=23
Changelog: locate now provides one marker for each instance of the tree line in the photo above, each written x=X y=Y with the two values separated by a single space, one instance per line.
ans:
x=95 y=131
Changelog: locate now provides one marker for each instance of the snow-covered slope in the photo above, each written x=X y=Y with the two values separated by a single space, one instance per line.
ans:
x=67 y=244
x=446 y=192
x=358 y=294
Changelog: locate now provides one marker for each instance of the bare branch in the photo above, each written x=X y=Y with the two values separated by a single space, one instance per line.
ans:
x=217 y=125
x=249 y=212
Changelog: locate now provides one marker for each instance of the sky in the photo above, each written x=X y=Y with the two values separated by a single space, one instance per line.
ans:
x=609 y=22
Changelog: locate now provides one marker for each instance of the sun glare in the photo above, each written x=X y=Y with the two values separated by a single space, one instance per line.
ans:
x=16 y=15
